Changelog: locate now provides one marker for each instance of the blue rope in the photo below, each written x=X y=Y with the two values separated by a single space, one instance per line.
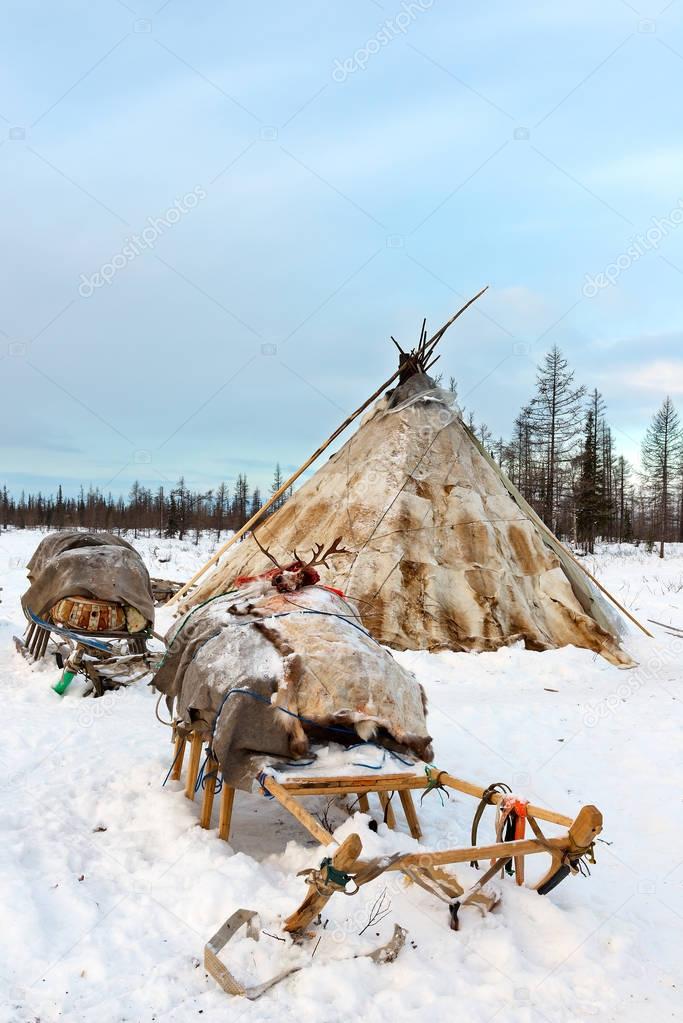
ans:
x=219 y=780
x=261 y=779
x=401 y=760
x=305 y=611
x=200 y=777
x=316 y=724
x=329 y=614
x=172 y=766
x=290 y=713
x=377 y=767
x=372 y=767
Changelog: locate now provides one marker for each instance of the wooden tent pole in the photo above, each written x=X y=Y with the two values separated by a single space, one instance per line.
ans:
x=538 y=521
x=430 y=345
x=607 y=593
x=597 y=582
x=278 y=493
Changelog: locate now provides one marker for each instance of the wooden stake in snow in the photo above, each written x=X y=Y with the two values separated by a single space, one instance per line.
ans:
x=425 y=348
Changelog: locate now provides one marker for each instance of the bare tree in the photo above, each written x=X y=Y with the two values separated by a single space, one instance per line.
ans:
x=220 y=509
x=555 y=419
x=624 y=515
x=662 y=452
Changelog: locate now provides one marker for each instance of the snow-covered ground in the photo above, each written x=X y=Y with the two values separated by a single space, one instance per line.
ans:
x=109 y=889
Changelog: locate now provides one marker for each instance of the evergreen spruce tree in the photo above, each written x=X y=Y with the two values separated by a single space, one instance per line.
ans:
x=588 y=496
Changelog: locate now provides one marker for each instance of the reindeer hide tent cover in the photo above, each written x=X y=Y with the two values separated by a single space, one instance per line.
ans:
x=446 y=553
x=260 y=672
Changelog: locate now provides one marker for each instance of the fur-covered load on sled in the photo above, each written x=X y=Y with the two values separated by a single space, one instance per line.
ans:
x=89 y=582
x=86 y=588
x=282 y=662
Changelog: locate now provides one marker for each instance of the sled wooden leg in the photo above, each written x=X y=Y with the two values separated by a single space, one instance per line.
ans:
x=29 y=635
x=303 y=816
x=193 y=765
x=388 y=810
x=41 y=646
x=225 y=812
x=363 y=804
x=210 y=779
x=410 y=813
x=178 y=757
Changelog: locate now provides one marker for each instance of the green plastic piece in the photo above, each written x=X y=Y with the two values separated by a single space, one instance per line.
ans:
x=64 y=682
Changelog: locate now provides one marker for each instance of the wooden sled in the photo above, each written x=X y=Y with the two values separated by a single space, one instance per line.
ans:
x=566 y=851
x=359 y=788
x=164 y=590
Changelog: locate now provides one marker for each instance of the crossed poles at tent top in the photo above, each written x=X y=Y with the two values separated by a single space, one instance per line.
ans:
x=416 y=361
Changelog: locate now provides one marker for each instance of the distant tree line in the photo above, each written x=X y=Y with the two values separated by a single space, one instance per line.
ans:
x=175 y=511
x=562 y=457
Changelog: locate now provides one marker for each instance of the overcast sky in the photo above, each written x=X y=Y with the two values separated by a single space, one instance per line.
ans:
x=215 y=214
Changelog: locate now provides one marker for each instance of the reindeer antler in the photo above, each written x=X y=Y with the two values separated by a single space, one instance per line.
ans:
x=319 y=558
x=264 y=550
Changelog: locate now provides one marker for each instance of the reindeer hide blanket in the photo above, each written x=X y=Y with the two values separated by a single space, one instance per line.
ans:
x=260 y=673
x=98 y=565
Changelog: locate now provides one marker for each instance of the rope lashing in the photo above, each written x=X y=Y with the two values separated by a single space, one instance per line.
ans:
x=199 y=784
x=327 y=879
x=261 y=779
x=283 y=710
x=370 y=767
x=208 y=775
x=486 y=798
x=582 y=862
x=169 y=724
x=175 y=759
x=434 y=784
x=511 y=821
x=387 y=807
x=385 y=751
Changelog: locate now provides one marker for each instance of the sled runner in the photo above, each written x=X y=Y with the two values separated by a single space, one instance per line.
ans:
x=106 y=667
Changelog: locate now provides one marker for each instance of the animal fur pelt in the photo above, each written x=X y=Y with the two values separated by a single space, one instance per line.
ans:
x=262 y=673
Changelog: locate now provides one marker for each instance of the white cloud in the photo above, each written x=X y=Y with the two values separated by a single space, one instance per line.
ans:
x=663 y=376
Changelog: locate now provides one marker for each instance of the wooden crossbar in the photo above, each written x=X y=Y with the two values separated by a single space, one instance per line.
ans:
x=363 y=783
x=288 y=790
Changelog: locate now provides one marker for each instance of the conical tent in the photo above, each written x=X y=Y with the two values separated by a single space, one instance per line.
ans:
x=446 y=554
